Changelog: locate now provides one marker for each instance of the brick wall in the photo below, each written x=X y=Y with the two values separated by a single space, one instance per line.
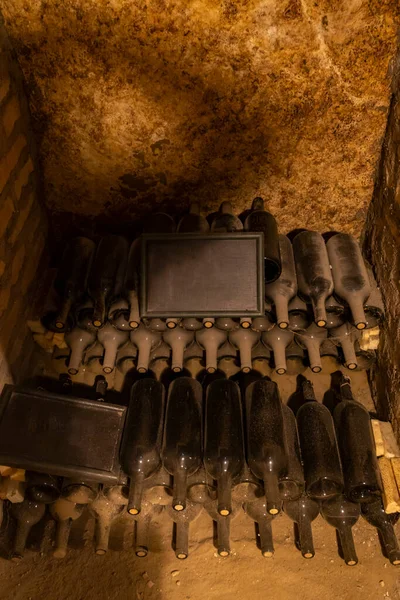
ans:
x=23 y=222
x=382 y=246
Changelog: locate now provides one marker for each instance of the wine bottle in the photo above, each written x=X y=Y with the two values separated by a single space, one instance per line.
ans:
x=192 y=324
x=245 y=322
x=335 y=313
x=291 y=485
x=107 y=274
x=223 y=526
x=299 y=315
x=172 y=322
x=141 y=441
x=159 y=223
x=193 y=222
x=79 y=491
x=375 y=515
x=357 y=447
x=158 y=488
x=278 y=340
x=105 y=512
x=182 y=446
x=131 y=283
x=111 y=339
x=201 y=488
x=343 y=515
x=350 y=277
x=27 y=514
x=70 y=281
x=373 y=308
x=126 y=357
x=345 y=336
x=295 y=359
x=314 y=277
x=83 y=316
x=118 y=315
x=283 y=289
x=41 y=487
x=261 y=220
x=311 y=340
x=303 y=511
x=182 y=520
x=142 y=528
x=257 y=510
x=264 y=323
x=223 y=439
x=64 y=513
x=78 y=341
x=266 y=445
x=225 y=220
x=178 y=339
x=145 y=340
x=210 y=340
x=226 y=323
x=244 y=340
x=322 y=468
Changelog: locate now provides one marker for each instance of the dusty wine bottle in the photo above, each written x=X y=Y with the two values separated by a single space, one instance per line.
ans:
x=131 y=283
x=105 y=512
x=225 y=220
x=374 y=514
x=182 y=445
x=350 y=275
x=283 y=289
x=27 y=514
x=193 y=222
x=182 y=520
x=210 y=340
x=322 y=468
x=343 y=515
x=64 y=513
x=299 y=315
x=141 y=441
x=344 y=337
x=178 y=339
x=257 y=510
x=311 y=340
x=107 y=274
x=244 y=340
x=41 y=487
x=145 y=340
x=278 y=340
x=261 y=220
x=357 y=448
x=111 y=339
x=223 y=526
x=78 y=340
x=291 y=485
x=314 y=277
x=266 y=445
x=303 y=511
x=71 y=278
x=223 y=439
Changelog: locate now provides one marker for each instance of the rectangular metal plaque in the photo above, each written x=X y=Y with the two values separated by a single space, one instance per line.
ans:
x=207 y=275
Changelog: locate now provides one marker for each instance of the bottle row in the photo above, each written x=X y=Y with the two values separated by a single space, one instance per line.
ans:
x=326 y=271
x=263 y=341
x=107 y=504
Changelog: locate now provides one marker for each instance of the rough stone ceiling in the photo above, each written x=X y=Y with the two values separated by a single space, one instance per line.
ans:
x=139 y=105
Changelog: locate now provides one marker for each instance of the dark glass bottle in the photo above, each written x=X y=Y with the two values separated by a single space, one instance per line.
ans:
x=42 y=488
x=357 y=447
x=223 y=439
x=193 y=222
x=335 y=313
x=261 y=220
x=350 y=275
x=343 y=514
x=322 y=468
x=303 y=511
x=142 y=528
x=375 y=514
x=314 y=277
x=291 y=485
x=300 y=316
x=281 y=291
x=223 y=526
x=182 y=445
x=257 y=511
x=266 y=444
x=142 y=437
x=27 y=514
x=70 y=281
x=107 y=274
x=182 y=522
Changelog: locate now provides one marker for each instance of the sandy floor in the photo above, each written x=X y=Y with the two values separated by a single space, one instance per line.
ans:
x=245 y=574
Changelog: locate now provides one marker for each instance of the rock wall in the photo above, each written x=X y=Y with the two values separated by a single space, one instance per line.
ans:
x=145 y=105
x=23 y=222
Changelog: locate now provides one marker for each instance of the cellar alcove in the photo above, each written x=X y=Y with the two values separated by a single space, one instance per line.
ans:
x=109 y=114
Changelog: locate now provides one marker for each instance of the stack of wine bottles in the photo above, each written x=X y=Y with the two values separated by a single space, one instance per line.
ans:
x=236 y=447
x=319 y=297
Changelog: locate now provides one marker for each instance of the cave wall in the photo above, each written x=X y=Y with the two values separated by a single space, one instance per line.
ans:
x=382 y=246
x=23 y=221
x=139 y=106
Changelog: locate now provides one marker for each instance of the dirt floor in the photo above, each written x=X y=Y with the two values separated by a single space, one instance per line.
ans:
x=119 y=574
